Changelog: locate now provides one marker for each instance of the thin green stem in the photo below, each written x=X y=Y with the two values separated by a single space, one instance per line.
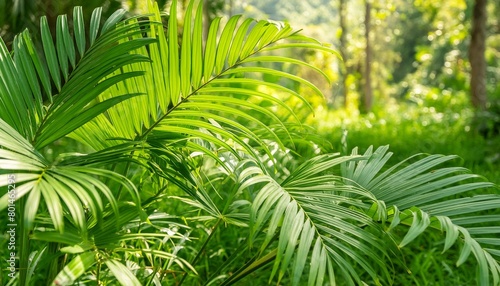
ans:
x=252 y=266
x=185 y=99
x=54 y=266
x=24 y=244
x=202 y=249
x=230 y=261
x=98 y=271
x=127 y=168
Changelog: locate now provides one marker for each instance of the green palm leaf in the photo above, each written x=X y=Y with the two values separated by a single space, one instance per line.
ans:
x=423 y=195
x=75 y=268
x=34 y=117
x=103 y=242
x=26 y=84
x=122 y=273
x=201 y=81
x=35 y=177
x=316 y=217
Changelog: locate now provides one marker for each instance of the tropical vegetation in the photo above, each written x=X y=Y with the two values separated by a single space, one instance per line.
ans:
x=133 y=148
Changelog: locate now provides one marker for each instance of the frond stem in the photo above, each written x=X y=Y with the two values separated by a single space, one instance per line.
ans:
x=185 y=99
x=202 y=249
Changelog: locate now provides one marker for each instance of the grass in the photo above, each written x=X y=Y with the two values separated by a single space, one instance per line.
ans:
x=410 y=129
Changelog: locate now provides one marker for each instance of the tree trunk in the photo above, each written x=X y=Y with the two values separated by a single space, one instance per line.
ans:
x=343 y=51
x=230 y=13
x=368 y=92
x=476 y=55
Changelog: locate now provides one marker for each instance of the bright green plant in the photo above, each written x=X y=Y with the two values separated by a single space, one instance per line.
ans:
x=179 y=154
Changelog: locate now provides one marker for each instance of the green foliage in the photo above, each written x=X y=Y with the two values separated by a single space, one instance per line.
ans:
x=195 y=170
x=435 y=121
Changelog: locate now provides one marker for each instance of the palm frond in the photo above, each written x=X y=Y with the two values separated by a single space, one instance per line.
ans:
x=423 y=195
x=122 y=273
x=315 y=219
x=75 y=268
x=159 y=239
x=44 y=97
x=27 y=77
x=63 y=188
x=203 y=82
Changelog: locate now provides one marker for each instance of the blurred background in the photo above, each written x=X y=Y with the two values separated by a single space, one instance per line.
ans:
x=421 y=76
